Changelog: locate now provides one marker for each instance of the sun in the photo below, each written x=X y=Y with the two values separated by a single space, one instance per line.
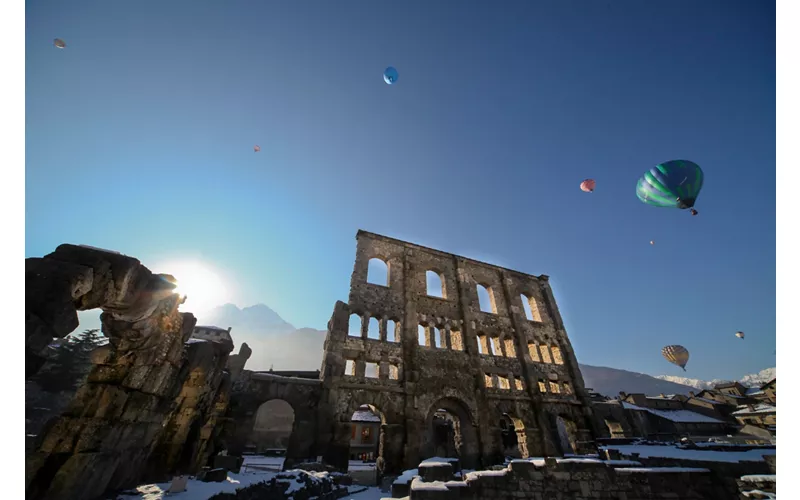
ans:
x=203 y=288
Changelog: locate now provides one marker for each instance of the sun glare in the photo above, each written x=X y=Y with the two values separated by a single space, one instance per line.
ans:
x=203 y=288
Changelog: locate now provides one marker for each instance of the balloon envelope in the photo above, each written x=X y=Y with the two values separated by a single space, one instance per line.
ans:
x=59 y=43
x=588 y=185
x=673 y=184
x=256 y=148
x=676 y=354
x=390 y=75
x=740 y=335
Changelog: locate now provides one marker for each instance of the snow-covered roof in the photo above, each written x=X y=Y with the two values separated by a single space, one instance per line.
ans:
x=759 y=408
x=418 y=484
x=663 y=451
x=667 y=396
x=662 y=469
x=365 y=416
x=682 y=416
x=759 y=478
x=753 y=391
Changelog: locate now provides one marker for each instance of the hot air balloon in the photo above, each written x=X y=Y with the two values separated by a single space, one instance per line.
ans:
x=652 y=242
x=390 y=75
x=59 y=43
x=673 y=184
x=740 y=335
x=588 y=185
x=256 y=148
x=676 y=354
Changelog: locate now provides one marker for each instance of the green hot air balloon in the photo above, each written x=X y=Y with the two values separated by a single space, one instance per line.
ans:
x=676 y=354
x=673 y=184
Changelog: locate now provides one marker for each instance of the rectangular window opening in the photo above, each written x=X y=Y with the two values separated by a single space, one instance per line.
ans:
x=371 y=370
x=456 y=341
x=350 y=368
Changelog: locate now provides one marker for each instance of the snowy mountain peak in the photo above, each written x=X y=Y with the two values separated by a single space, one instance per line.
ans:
x=751 y=380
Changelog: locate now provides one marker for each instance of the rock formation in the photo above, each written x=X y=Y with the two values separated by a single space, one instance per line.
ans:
x=151 y=400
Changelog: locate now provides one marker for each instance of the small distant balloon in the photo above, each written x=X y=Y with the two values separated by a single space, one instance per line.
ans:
x=256 y=148
x=652 y=242
x=588 y=185
x=740 y=335
x=59 y=43
x=390 y=75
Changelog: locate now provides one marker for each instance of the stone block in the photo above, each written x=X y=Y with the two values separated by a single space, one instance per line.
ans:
x=435 y=471
x=209 y=475
x=228 y=462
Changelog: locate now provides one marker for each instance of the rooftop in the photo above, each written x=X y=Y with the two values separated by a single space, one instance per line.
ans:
x=759 y=408
x=681 y=416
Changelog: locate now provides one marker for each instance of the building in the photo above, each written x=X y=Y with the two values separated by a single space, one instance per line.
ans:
x=760 y=415
x=455 y=355
x=212 y=333
x=365 y=429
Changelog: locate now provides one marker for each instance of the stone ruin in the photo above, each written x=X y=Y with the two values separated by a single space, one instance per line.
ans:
x=445 y=377
x=152 y=403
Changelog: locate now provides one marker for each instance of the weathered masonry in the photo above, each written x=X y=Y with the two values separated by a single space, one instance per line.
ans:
x=447 y=375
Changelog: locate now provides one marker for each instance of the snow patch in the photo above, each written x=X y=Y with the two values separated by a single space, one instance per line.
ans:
x=758 y=478
x=661 y=469
x=419 y=485
x=645 y=451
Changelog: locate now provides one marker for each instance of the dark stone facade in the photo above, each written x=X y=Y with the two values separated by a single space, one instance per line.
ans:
x=411 y=383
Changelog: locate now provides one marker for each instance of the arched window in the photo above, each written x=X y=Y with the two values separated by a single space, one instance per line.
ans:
x=354 y=328
x=392 y=332
x=486 y=299
x=377 y=272
x=531 y=308
x=434 y=283
x=421 y=337
x=374 y=329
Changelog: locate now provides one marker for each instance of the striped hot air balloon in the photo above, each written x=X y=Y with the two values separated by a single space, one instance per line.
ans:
x=588 y=185
x=676 y=354
x=673 y=184
x=59 y=43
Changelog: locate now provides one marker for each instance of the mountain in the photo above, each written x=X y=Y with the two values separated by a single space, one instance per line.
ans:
x=751 y=380
x=257 y=319
x=611 y=381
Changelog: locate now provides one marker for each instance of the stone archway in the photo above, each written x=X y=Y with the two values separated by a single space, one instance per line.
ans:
x=513 y=436
x=450 y=429
x=272 y=429
x=567 y=435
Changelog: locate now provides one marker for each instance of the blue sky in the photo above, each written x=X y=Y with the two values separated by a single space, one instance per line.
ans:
x=139 y=138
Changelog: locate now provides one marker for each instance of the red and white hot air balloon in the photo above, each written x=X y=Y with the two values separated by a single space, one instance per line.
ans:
x=256 y=148
x=588 y=185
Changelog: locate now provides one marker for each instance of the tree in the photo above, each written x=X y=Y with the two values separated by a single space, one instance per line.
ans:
x=68 y=362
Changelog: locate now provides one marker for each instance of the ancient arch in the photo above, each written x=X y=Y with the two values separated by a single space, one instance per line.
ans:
x=252 y=390
x=567 y=435
x=272 y=429
x=450 y=427
x=139 y=378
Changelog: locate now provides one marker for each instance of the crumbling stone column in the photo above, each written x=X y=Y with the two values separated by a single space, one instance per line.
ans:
x=106 y=438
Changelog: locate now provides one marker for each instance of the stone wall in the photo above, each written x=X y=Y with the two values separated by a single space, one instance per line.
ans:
x=523 y=479
x=150 y=403
x=450 y=372
x=532 y=381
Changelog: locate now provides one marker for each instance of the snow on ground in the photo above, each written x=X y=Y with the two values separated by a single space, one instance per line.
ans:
x=198 y=490
x=406 y=476
x=646 y=451
x=662 y=469
x=261 y=462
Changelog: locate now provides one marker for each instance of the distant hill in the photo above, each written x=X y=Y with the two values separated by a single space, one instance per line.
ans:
x=256 y=319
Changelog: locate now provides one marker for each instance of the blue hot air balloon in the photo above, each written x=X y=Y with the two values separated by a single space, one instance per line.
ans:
x=390 y=75
x=673 y=184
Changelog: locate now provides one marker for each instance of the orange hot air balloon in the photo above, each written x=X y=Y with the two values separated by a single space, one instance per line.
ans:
x=256 y=148
x=588 y=185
